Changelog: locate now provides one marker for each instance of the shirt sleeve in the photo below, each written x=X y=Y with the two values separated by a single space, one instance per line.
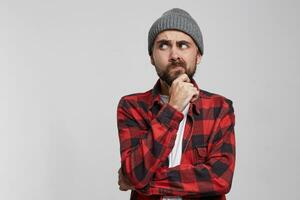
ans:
x=211 y=178
x=144 y=149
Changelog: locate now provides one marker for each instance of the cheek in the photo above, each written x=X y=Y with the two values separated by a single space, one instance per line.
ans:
x=191 y=59
x=191 y=64
x=160 y=59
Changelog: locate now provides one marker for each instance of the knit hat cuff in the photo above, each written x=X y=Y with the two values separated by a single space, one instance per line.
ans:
x=179 y=22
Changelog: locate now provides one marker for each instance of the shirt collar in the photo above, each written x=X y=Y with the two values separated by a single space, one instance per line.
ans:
x=156 y=98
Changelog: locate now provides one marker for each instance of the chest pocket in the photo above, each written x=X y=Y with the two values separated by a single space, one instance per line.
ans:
x=199 y=155
x=199 y=149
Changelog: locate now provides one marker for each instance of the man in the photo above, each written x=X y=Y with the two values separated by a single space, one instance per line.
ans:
x=176 y=140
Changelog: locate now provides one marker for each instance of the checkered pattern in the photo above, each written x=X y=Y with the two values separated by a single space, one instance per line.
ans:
x=147 y=131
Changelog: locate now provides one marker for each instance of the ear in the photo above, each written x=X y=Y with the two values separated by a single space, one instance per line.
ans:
x=199 y=57
x=152 y=60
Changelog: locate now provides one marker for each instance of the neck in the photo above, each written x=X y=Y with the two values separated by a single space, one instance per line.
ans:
x=164 y=88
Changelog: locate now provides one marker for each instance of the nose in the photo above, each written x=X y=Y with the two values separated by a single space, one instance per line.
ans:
x=174 y=54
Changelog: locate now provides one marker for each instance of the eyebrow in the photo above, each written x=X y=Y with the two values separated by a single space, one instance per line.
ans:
x=169 y=41
x=163 y=41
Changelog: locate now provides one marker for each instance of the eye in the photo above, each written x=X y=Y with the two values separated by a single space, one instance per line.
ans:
x=163 y=46
x=183 y=46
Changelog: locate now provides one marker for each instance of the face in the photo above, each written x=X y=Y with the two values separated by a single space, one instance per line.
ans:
x=173 y=54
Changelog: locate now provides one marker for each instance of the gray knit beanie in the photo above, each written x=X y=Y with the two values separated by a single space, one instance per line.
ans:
x=176 y=19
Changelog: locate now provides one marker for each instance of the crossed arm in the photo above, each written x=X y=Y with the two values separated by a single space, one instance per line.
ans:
x=143 y=151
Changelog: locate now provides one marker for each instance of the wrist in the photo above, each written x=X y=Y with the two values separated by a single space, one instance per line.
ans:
x=176 y=107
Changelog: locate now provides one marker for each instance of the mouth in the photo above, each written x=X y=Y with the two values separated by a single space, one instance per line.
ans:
x=177 y=67
x=177 y=70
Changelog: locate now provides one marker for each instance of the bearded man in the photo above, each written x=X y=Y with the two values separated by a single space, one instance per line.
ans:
x=176 y=140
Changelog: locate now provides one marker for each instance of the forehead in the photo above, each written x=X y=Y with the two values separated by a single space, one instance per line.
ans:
x=173 y=35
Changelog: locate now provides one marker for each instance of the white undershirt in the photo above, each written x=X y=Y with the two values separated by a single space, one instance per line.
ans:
x=175 y=155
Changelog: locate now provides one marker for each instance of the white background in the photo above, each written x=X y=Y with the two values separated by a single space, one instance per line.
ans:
x=65 y=64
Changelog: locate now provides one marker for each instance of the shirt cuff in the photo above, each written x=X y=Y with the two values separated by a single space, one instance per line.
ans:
x=170 y=116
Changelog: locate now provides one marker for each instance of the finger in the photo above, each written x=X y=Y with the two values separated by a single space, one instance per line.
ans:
x=122 y=188
x=182 y=78
x=188 y=84
x=193 y=99
x=120 y=182
x=195 y=96
x=123 y=180
x=125 y=187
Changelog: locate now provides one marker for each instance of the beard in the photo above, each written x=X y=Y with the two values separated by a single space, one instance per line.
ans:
x=174 y=70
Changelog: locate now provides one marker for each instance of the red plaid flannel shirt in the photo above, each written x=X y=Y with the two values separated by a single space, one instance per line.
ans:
x=147 y=131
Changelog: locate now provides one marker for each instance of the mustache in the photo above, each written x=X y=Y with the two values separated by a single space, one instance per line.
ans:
x=180 y=63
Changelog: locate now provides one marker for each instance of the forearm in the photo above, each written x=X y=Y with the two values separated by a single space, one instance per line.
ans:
x=209 y=177
x=189 y=180
x=143 y=149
